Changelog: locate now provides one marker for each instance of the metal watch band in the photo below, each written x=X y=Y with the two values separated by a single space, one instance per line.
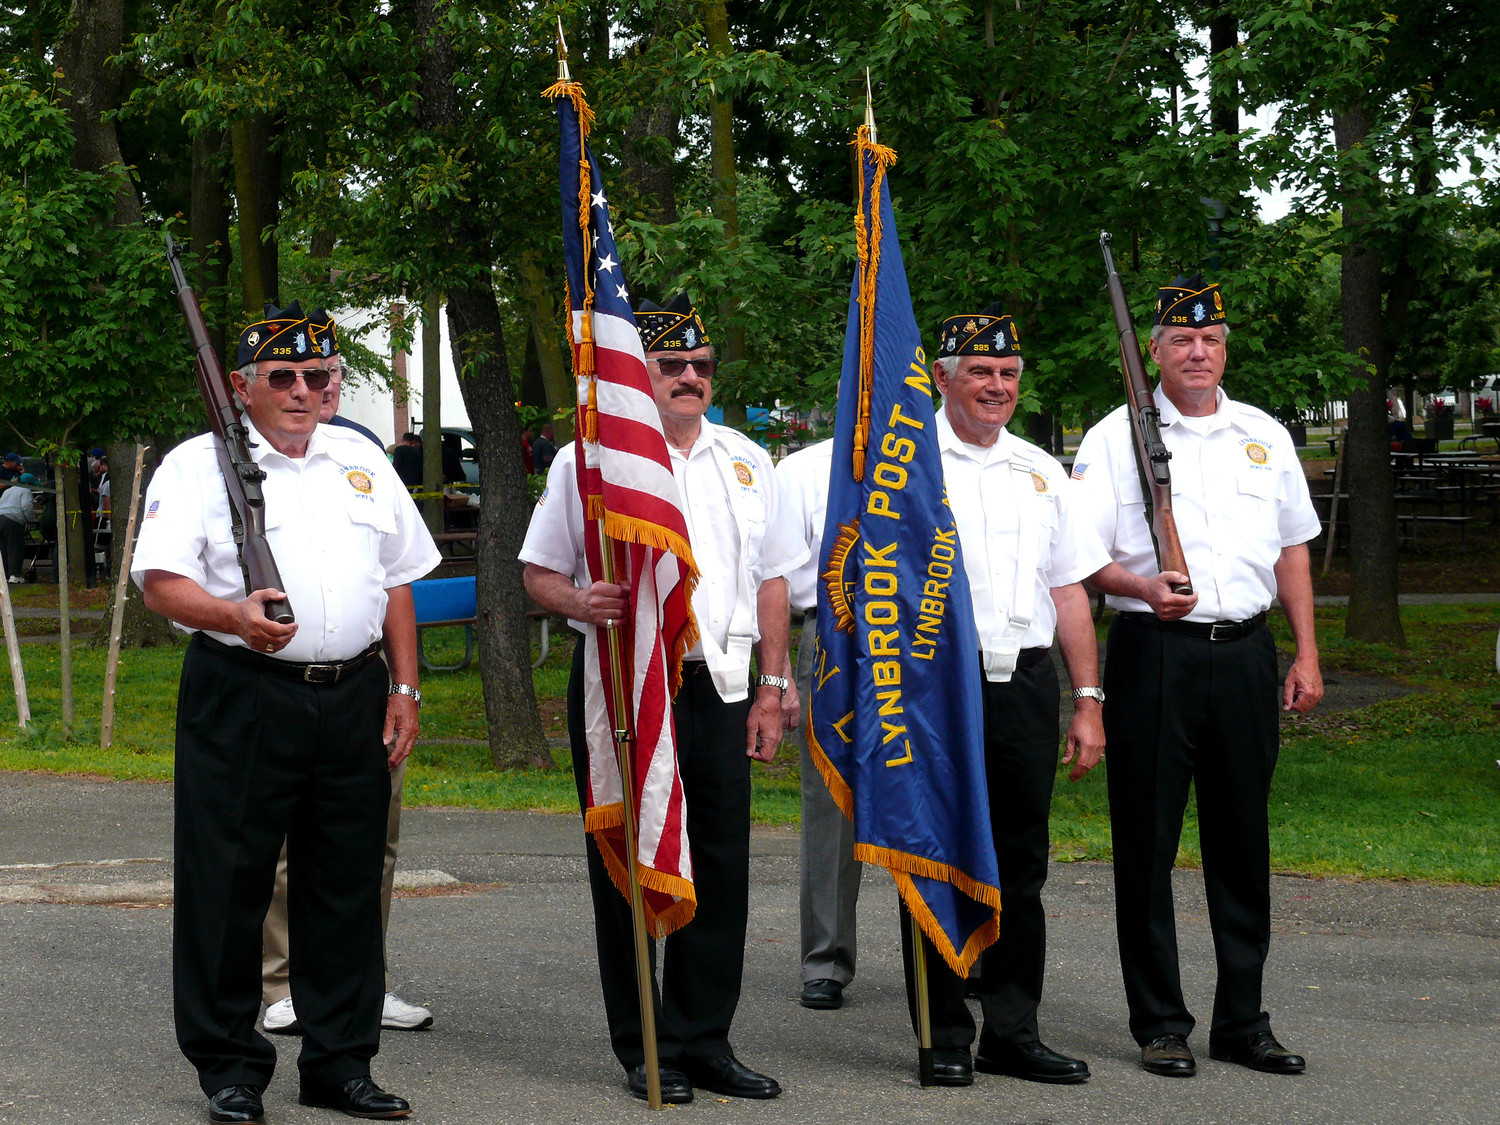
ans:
x=1089 y=693
x=407 y=689
x=773 y=681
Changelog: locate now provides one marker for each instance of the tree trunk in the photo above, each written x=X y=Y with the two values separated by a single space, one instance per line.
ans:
x=533 y=391
x=540 y=306
x=730 y=335
x=648 y=174
x=504 y=633
x=252 y=270
x=91 y=88
x=265 y=164
x=208 y=232
x=1374 y=613
x=478 y=340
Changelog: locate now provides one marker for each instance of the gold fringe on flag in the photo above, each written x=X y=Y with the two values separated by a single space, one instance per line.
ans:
x=867 y=240
x=903 y=865
x=609 y=821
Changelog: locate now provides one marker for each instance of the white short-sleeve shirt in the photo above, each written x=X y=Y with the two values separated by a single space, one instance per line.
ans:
x=774 y=546
x=340 y=524
x=803 y=479
x=1239 y=496
x=986 y=494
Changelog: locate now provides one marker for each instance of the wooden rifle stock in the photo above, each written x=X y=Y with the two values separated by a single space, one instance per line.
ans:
x=242 y=476
x=1151 y=454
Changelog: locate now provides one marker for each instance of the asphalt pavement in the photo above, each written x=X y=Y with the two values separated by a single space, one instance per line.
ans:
x=1392 y=991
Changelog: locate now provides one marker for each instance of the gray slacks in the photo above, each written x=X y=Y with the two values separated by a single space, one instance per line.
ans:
x=830 y=873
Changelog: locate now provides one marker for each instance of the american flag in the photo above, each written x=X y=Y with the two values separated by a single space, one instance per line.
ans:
x=1078 y=470
x=625 y=480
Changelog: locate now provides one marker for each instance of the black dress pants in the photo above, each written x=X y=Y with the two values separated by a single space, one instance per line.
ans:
x=702 y=962
x=12 y=546
x=262 y=758
x=1020 y=762
x=1184 y=710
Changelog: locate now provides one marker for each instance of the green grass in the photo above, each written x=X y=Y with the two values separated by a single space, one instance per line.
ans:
x=1406 y=788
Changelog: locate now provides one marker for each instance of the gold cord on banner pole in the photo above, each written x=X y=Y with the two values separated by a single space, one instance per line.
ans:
x=624 y=734
x=924 y=1009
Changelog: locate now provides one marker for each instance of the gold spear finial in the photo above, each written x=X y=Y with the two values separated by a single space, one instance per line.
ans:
x=869 y=108
x=562 y=53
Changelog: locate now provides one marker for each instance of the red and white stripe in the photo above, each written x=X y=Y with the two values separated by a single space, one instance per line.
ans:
x=626 y=477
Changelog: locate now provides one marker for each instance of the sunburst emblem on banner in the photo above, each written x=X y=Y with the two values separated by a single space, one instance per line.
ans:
x=840 y=587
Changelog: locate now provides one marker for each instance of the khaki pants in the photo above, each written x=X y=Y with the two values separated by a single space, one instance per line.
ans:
x=273 y=971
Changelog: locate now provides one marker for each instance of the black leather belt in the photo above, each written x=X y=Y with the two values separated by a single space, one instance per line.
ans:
x=1029 y=656
x=325 y=673
x=1207 y=630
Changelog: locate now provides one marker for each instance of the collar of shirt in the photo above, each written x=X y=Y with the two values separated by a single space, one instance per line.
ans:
x=1226 y=413
x=948 y=441
x=705 y=440
x=260 y=448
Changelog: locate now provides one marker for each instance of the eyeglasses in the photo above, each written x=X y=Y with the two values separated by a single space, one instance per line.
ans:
x=282 y=380
x=672 y=368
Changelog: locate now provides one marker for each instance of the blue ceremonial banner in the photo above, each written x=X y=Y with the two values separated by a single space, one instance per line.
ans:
x=895 y=723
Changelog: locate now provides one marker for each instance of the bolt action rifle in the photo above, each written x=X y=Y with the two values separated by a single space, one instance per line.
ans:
x=242 y=476
x=1151 y=455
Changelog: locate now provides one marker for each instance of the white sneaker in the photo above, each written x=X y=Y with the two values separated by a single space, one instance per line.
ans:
x=16 y=580
x=280 y=1019
x=398 y=1015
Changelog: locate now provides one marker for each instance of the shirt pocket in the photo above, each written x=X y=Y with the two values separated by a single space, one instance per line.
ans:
x=1128 y=488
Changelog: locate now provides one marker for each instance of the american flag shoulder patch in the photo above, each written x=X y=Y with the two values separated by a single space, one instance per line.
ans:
x=1079 y=468
x=151 y=511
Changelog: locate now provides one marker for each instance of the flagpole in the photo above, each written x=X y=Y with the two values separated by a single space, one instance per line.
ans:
x=624 y=734
x=620 y=672
x=924 y=1008
x=918 y=947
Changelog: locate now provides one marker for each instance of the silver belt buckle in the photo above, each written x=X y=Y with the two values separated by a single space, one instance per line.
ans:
x=321 y=674
x=1213 y=632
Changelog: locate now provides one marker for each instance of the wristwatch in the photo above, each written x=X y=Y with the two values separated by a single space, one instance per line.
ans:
x=1089 y=693
x=407 y=689
x=773 y=681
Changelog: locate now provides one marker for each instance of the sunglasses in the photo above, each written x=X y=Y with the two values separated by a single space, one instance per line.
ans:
x=672 y=368
x=282 y=380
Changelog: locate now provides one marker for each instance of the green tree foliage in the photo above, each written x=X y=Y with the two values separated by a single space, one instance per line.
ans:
x=88 y=328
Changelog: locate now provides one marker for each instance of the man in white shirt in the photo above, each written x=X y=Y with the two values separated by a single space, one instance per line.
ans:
x=744 y=545
x=1025 y=554
x=285 y=731
x=829 y=888
x=1192 y=678
x=275 y=984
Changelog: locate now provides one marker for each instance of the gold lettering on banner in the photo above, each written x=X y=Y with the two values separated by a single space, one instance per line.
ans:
x=934 y=604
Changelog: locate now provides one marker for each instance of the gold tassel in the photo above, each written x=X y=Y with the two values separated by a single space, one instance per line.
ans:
x=573 y=91
x=867 y=241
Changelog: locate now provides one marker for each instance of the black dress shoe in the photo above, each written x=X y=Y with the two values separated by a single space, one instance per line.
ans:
x=1033 y=1061
x=1169 y=1055
x=822 y=994
x=728 y=1076
x=952 y=1068
x=675 y=1087
x=1259 y=1051
x=358 y=1097
x=237 y=1104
